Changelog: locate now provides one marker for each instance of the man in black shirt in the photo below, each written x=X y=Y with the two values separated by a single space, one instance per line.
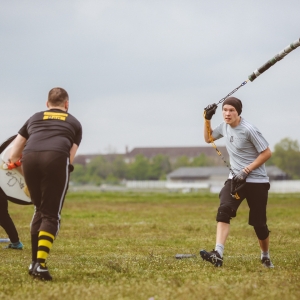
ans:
x=47 y=142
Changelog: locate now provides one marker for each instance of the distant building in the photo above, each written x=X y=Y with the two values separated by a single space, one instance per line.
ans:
x=194 y=174
x=150 y=152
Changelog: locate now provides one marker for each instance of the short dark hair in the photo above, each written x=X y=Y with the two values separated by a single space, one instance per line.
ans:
x=57 y=96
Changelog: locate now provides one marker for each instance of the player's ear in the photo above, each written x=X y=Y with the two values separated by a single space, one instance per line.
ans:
x=47 y=104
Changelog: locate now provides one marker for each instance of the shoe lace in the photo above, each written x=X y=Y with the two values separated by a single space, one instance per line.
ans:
x=215 y=256
x=266 y=261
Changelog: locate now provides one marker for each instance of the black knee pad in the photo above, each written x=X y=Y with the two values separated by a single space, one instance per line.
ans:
x=225 y=214
x=262 y=232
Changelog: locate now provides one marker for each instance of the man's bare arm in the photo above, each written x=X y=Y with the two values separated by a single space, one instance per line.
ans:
x=206 y=135
x=17 y=148
x=73 y=152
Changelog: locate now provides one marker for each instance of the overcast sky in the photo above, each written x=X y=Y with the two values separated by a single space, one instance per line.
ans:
x=139 y=73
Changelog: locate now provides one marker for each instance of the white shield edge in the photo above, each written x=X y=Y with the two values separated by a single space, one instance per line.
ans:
x=11 y=181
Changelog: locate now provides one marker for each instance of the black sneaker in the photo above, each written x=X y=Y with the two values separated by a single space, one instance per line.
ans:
x=266 y=262
x=31 y=266
x=41 y=272
x=213 y=257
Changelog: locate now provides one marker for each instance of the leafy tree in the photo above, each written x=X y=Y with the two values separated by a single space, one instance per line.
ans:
x=102 y=169
x=80 y=175
x=182 y=161
x=94 y=179
x=159 y=167
x=98 y=167
x=202 y=161
x=286 y=156
x=112 y=179
x=138 y=170
x=119 y=168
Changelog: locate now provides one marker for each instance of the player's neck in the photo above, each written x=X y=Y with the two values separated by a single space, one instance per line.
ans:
x=58 y=107
x=64 y=106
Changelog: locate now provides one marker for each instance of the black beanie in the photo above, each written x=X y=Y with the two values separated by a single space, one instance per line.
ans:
x=235 y=102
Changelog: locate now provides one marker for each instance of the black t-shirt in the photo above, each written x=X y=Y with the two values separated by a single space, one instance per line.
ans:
x=51 y=130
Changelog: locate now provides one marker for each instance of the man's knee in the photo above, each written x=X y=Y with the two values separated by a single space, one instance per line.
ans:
x=262 y=232
x=225 y=214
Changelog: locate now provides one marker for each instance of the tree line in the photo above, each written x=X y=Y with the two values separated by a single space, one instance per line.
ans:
x=106 y=170
x=286 y=156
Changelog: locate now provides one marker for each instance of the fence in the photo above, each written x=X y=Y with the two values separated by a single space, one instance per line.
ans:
x=145 y=184
x=285 y=186
x=278 y=186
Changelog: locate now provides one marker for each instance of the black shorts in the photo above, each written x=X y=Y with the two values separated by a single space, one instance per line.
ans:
x=256 y=195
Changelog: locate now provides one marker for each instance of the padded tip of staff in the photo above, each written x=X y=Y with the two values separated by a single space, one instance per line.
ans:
x=296 y=43
x=252 y=77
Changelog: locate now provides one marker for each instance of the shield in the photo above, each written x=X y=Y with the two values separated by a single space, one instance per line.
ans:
x=12 y=181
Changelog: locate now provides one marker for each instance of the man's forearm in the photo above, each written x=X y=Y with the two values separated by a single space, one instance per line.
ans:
x=207 y=127
x=260 y=160
x=17 y=148
x=73 y=152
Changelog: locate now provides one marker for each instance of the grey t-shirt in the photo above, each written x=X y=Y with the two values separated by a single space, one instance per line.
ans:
x=244 y=143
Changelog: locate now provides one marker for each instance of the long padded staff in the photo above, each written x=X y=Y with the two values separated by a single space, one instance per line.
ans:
x=266 y=66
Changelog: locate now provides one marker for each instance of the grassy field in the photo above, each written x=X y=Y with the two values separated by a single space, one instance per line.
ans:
x=122 y=246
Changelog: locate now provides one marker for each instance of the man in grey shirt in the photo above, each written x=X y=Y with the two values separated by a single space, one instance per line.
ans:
x=248 y=151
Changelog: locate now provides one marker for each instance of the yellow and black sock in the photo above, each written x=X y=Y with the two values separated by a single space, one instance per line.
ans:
x=44 y=245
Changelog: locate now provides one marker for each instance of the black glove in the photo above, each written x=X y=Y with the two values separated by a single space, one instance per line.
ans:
x=210 y=110
x=240 y=177
x=236 y=188
x=71 y=168
x=237 y=183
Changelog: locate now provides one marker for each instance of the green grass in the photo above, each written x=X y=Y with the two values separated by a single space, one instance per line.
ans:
x=122 y=246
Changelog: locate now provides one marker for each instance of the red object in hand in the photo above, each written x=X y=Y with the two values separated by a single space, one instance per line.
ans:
x=16 y=164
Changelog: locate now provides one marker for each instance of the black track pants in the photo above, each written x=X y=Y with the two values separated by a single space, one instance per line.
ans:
x=47 y=176
x=5 y=220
